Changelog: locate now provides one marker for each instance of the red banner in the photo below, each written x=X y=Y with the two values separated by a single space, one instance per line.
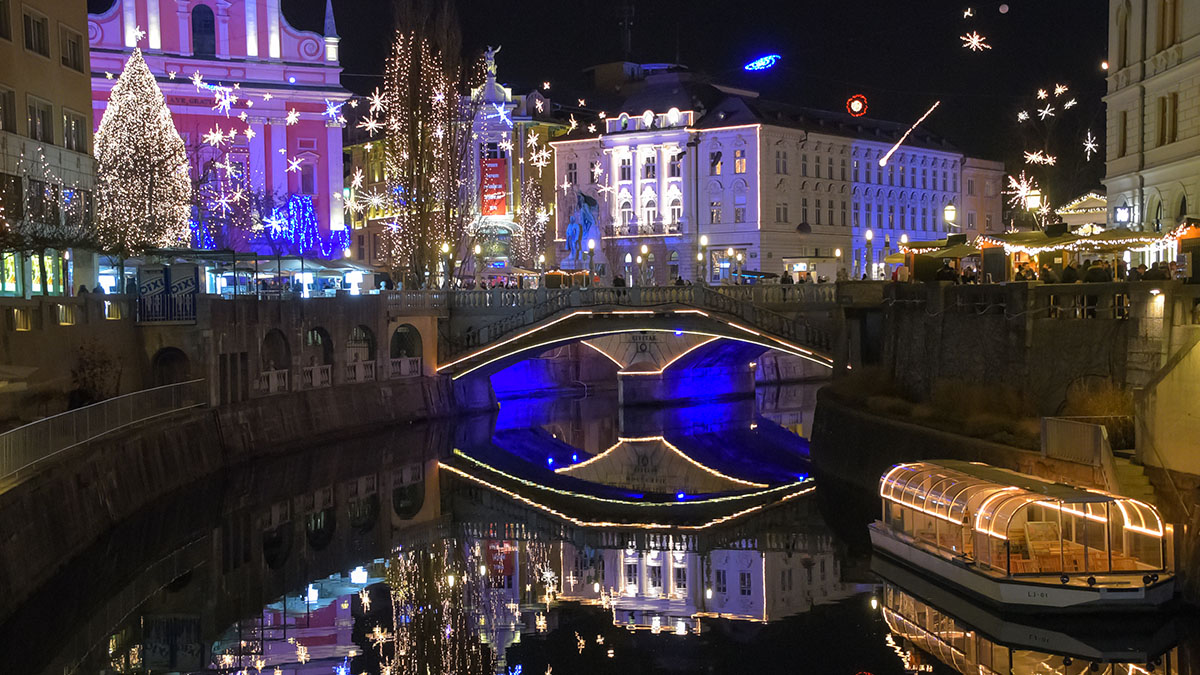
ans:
x=494 y=186
x=501 y=555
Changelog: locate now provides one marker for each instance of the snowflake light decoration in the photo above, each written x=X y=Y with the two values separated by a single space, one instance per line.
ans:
x=267 y=96
x=968 y=13
x=292 y=117
x=197 y=79
x=376 y=101
x=1022 y=116
x=591 y=128
x=250 y=133
x=1090 y=145
x=371 y=124
x=1048 y=111
x=1039 y=157
x=1041 y=94
x=974 y=41
x=224 y=99
x=333 y=109
x=171 y=74
x=531 y=139
x=294 y=164
x=537 y=103
x=1019 y=188
x=138 y=34
x=1060 y=89
x=215 y=137
x=1069 y=104
x=573 y=123
x=356 y=180
x=546 y=85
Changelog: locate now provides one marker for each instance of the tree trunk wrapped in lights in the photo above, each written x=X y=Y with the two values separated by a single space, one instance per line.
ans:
x=144 y=190
x=427 y=136
x=533 y=217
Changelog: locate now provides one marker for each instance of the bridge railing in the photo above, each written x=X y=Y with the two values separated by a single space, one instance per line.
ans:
x=733 y=301
x=28 y=445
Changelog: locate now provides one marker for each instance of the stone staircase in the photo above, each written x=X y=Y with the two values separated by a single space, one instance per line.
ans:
x=1132 y=480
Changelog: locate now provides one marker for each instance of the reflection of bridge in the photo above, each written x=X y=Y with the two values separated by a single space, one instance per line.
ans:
x=537 y=321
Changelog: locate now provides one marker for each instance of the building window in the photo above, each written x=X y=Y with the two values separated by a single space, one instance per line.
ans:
x=676 y=210
x=781 y=212
x=673 y=166
x=307 y=179
x=204 y=31
x=680 y=580
x=804 y=165
x=654 y=577
x=829 y=165
x=572 y=173
x=650 y=168
x=781 y=162
x=943 y=181
x=817 y=212
x=987 y=222
x=857 y=220
x=626 y=214
x=856 y=171
x=843 y=169
x=8 y=109
x=843 y=213
x=714 y=211
x=41 y=123
x=1122 y=125
x=804 y=210
x=744 y=583
x=37 y=34
x=1168 y=21
x=75 y=131
x=970 y=220
x=720 y=582
x=830 y=212
x=11 y=200
x=593 y=172
x=631 y=575
x=739 y=161
x=1168 y=109
x=72 y=49
x=970 y=187
x=42 y=198
x=5 y=22
x=626 y=168
x=817 y=167
x=714 y=163
x=649 y=213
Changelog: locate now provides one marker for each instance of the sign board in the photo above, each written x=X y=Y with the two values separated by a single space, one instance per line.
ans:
x=494 y=186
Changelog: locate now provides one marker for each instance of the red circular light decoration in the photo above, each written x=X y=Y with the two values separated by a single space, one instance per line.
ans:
x=856 y=105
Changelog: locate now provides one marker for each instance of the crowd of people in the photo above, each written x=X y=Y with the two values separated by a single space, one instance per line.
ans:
x=1089 y=271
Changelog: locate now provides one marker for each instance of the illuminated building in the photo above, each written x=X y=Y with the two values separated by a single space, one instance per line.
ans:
x=278 y=84
x=511 y=132
x=770 y=187
x=1152 y=165
x=45 y=118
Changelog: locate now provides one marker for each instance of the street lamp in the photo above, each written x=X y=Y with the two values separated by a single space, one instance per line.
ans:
x=446 y=264
x=703 y=257
x=478 y=264
x=591 y=255
x=870 y=262
x=949 y=215
x=903 y=239
x=641 y=271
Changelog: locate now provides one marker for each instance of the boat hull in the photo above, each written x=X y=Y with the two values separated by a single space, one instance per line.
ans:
x=1018 y=595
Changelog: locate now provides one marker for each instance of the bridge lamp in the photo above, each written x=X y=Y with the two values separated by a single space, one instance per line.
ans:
x=445 y=248
x=837 y=253
x=1033 y=201
x=645 y=249
x=591 y=254
x=704 y=240
x=478 y=249
x=591 y=244
x=869 y=236
x=639 y=260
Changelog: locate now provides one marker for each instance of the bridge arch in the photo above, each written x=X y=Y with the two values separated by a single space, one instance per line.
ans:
x=170 y=365
x=275 y=353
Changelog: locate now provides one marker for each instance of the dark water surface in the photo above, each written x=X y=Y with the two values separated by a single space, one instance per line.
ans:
x=560 y=536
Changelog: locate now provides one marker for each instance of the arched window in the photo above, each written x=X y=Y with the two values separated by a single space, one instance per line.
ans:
x=626 y=215
x=1182 y=208
x=676 y=211
x=649 y=214
x=673 y=264
x=204 y=31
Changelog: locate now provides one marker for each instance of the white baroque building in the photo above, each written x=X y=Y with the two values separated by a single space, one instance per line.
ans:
x=681 y=162
x=1153 y=104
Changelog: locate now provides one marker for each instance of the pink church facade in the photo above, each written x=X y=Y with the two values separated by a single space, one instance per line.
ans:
x=278 y=75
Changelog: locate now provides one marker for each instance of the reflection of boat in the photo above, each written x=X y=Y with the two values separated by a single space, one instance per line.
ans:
x=1021 y=542
x=973 y=639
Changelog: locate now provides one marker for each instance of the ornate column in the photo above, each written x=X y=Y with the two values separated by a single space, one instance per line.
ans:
x=637 y=186
x=185 y=29
x=222 y=29
x=614 y=182
x=153 y=26
x=661 y=174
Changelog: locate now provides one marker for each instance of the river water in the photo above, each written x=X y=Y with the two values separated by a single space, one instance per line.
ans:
x=559 y=536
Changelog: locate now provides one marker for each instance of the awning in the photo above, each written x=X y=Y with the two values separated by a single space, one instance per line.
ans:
x=956 y=252
x=895 y=258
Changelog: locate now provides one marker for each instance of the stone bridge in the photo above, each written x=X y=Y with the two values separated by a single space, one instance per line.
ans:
x=691 y=320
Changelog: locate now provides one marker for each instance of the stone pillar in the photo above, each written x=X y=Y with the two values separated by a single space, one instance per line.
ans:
x=614 y=176
x=153 y=26
x=661 y=173
x=333 y=169
x=637 y=186
x=185 y=30
x=278 y=160
x=222 y=21
x=252 y=29
x=257 y=156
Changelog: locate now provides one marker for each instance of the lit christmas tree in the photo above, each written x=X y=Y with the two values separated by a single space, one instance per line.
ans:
x=144 y=191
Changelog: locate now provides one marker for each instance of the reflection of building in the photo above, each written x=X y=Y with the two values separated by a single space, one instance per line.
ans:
x=783 y=187
x=238 y=66
x=46 y=170
x=1152 y=162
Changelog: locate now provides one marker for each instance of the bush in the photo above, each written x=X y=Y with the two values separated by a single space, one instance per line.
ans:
x=1097 y=398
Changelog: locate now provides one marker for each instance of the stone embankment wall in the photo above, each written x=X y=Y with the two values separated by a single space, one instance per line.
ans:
x=56 y=513
x=854 y=448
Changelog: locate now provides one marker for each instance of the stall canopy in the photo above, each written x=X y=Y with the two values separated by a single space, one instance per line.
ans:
x=956 y=251
x=1110 y=241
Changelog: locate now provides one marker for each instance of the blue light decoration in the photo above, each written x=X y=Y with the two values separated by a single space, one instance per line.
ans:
x=680 y=496
x=763 y=62
x=337 y=243
x=202 y=238
x=549 y=461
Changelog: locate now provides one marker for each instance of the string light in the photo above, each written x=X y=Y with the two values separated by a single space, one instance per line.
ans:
x=143 y=191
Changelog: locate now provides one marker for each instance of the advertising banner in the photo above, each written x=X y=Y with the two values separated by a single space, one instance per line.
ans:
x=494 y=186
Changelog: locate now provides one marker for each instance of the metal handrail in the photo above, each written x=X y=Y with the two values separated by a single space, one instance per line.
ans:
x=27 y=445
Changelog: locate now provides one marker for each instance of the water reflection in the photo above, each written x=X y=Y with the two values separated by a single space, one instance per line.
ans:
x=561 y=534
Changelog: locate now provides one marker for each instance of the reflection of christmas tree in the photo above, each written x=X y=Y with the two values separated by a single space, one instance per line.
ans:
x=144 y=191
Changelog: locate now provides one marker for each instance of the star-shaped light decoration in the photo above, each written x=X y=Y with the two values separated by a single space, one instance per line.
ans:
x=974 y=41
x=333 y=109
x=353 y=103
x=356 y=179
x=573 y=123
x=1022 y=116
x=376 y=101
x=371 y=124
x=968 y=13
x=292 y=117
x=214 y=137
x=566 y=185
x=1069 y=104
x=1048 y=111
x=171 y=74
x=225 y=98
x=531 y=139
x=243 y=116
x=506 y=146
x=138 y=34
x=439 y=97
x=542 y=217
x=249 y=103
x=582 y=103
x=537 y=103
x=1041 y=94
x=368 y=145
x=250 y=133
x=197 y=79
x=546 y=85
x=602 y=114
x=108 y=75
x=1039 y=157
x=267 y=96
x=596 y=171
x=1090 y=145
x=232 y=134
x=283 y=151
x=591 y=128
x=1019 y=189
x=294 y=164
x=224 y=202
x=1060 y=89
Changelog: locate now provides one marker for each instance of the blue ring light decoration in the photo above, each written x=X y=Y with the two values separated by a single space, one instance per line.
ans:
x=763 y=62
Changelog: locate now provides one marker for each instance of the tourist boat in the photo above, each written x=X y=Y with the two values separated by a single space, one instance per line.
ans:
x=1022 y=543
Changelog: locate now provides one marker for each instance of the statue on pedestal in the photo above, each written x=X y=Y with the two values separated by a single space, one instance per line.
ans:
x=581 y=226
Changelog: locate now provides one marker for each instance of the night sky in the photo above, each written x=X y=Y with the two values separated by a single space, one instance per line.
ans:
x=902 y=55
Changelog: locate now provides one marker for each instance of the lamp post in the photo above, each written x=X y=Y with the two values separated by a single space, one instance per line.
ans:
x=646 y=281
x=704 y=260
x=870 y=266
x=591 y=255
x=478 y=264
x=732 y=268
x=949 y=215
x=446 y=265
x=641 y=271
x=738 y=257
x=541 y=270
